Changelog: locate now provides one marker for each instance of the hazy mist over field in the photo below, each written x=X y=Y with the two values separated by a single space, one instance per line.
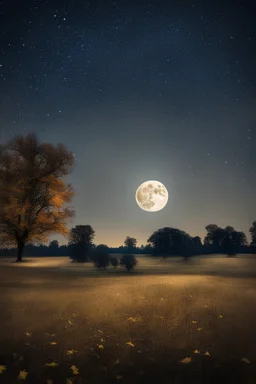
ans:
x=130 y=325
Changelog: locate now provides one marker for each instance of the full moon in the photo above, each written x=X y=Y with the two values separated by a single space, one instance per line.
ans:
x=151 y=196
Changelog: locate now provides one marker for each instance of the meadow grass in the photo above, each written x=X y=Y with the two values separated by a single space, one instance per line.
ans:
x=164 y=322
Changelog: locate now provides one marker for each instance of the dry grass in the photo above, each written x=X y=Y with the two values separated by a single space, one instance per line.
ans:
x=166 y=309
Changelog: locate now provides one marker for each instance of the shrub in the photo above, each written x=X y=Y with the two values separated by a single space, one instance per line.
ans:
x=114 y=261
x=129 y=261
x=100 y=258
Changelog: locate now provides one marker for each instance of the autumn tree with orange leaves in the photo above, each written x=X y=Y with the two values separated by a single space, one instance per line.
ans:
x=33 y=196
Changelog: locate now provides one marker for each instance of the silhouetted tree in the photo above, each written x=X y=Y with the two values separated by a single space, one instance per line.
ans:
x=197 y=245
x=227 y=245
x=214 y=237
x=52 y=249
x=253 y=233
x=102 y=247
x=54 y=244
x=161 y=240
x=171 y=241
x=32 y=194
x=82 y=233
x=114 y=261
x=226 y=240
x=129 y=261
x=100 y=258
x=80 y=242
x=229 y=229
x=238 y=238
x=187 y=247
x=130 y=242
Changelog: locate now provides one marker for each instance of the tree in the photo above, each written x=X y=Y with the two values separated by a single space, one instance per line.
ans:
x=32 y=194
x=197 y=245
x=233 y=241
x=252 y=231
x=54 y=244
x=238 y=238
x=215 y=236
x=161 y=240
x=129 y=261
x=114 y=261
x=102 y=247
x=226 y=240
x=80 y=242
x=171 y=241
x=130 y=242
x=82 y=233
x=100 y=258
x=229 y=229
x=227 y=245
x=53 y=248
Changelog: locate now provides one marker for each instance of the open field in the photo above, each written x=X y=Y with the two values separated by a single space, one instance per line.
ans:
x=184 y=323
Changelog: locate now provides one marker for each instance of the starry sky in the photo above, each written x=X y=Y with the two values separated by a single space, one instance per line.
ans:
x=138 y=90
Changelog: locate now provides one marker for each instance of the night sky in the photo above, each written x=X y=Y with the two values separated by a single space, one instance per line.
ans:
x=160 y=90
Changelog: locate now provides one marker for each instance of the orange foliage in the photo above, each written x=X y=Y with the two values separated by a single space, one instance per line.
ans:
x=33 y=198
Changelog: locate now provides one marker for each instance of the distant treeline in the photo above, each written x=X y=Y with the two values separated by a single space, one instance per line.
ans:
x=47 y=251
x=164 y=242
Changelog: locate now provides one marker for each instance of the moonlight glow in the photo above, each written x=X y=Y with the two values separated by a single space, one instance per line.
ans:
x=151 y=196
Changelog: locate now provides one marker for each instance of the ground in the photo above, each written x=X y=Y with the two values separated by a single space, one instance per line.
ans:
x=165 y=322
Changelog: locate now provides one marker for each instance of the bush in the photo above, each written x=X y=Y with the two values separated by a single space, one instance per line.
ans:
x=100 y=259
x=129 y=261
x=114 y=261
x=79 y=252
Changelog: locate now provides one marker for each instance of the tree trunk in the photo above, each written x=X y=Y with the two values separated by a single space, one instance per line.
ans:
x=20 y=250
